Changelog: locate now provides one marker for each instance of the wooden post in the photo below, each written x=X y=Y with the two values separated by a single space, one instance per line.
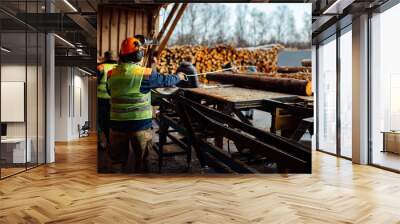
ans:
x=167 y=22
x=149 y=55
x=171 y=29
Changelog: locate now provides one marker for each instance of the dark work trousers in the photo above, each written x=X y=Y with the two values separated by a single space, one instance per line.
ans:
x=131 y=148
x=103 y=118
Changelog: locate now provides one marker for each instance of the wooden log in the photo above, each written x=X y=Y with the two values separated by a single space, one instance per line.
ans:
x=306 y=62
x=284 y=85
x=297 y=75
x=293 y=69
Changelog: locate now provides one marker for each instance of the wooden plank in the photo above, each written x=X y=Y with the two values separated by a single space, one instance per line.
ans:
x=114 y=30
x=105 y=30
x=138 y=23
x=152 y=18
x=145 y=27
x=109 y=31
x=126 y=23
x=116 y=24
x=118 y=28
x=122 y=27
x=99 y=29
x=131 y=23
x=236 y=94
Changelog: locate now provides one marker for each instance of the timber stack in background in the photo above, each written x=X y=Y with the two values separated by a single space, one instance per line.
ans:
x=212 y=58
x=209 y=59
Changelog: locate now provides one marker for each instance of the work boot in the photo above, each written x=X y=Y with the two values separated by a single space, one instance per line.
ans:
x=205 y=169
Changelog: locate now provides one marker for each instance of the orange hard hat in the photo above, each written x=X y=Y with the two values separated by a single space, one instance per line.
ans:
x=129 y=45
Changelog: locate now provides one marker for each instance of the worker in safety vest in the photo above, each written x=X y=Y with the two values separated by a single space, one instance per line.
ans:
x=103 y=99
x=129 y=85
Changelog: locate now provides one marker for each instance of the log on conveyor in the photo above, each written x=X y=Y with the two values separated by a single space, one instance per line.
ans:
x=283 y=85
x=296 y=75
x=293 y=69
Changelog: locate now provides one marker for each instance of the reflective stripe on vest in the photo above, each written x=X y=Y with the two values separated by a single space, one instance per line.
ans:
x=130 y=100
x=131 y=109
x=102 y=87
x=127 y=102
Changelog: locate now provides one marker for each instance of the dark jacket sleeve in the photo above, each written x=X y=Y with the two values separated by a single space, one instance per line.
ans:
x=188 y=69
x=157 y=80
x=99 y=74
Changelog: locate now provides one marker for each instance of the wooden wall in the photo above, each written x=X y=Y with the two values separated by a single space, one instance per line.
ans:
x=115 y=23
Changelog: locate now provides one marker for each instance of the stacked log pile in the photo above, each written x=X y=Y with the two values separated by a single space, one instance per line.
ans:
x=208 y=59
x=306 y=62
x=211 y=59
x=302 y=73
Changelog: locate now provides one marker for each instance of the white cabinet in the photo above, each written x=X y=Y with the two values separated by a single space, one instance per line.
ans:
x=14 y=149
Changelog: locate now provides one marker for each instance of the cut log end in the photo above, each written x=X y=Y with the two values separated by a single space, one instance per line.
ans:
x=309 y=88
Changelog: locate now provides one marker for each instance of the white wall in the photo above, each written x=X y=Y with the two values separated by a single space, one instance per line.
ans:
x=62 y=82
x=15 y=73
x=314 y=85
x=33 y=127
x=71 y=102
x=80 y=110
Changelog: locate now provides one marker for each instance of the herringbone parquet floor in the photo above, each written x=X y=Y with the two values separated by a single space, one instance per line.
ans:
x=71 y=191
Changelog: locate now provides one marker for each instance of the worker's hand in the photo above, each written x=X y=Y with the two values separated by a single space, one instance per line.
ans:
x=181 y=75
x=234 y=69
x=155 y=61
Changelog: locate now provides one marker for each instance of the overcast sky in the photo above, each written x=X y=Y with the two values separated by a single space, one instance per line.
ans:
x=298 y=9
x=191 y=30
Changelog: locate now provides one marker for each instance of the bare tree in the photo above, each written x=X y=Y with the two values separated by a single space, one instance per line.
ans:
x=208 y=24
x=290 y=31
x=241 y=28
x=254 y=26
x=265 y=33
x=207 y=17
x=279 y=26
x=260 y=26
x=306 y=33
x=221 y=28
x=188 y=26
x=192 y=23
x=285 y=25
